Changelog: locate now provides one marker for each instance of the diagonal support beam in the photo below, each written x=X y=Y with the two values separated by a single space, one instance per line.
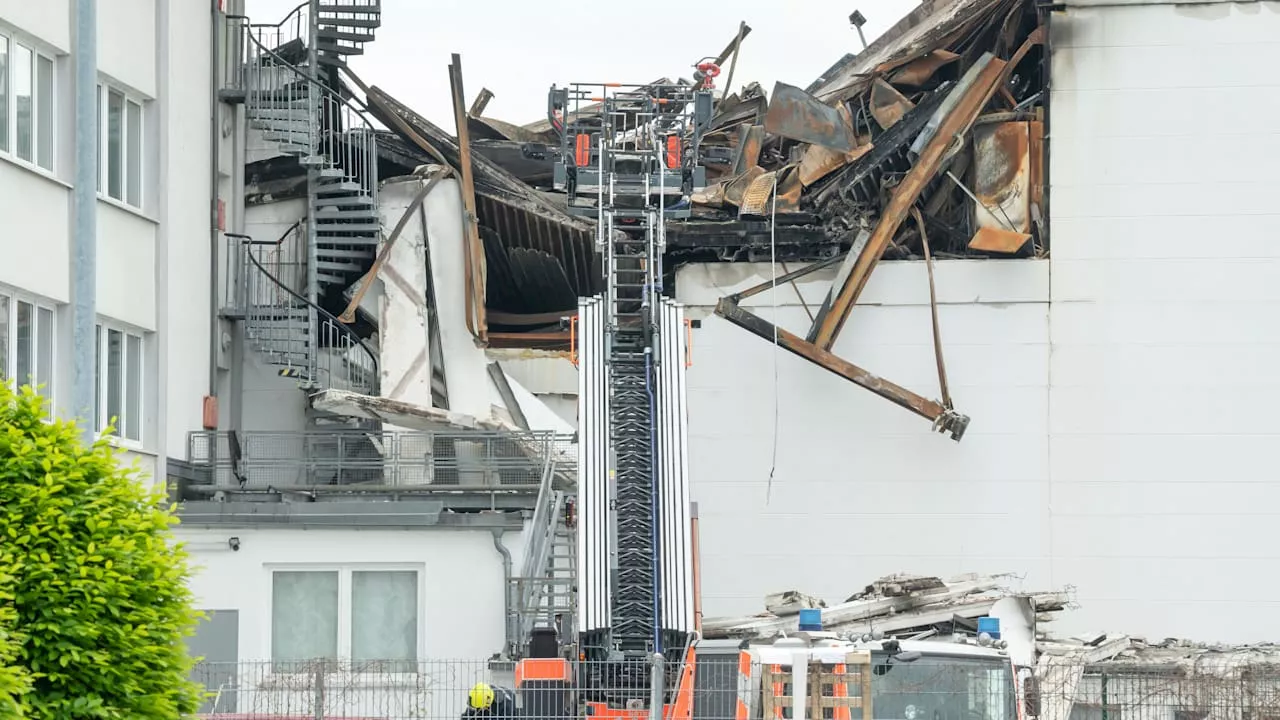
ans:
x=944 y=420
x=971 y=97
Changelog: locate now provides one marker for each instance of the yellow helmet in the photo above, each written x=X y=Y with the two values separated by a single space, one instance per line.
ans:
x=481 y=696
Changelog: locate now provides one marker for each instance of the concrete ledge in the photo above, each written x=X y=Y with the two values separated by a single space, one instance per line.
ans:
x=404 y=515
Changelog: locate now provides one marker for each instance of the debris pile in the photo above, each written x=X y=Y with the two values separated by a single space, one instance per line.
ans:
x=944 y=114
x=897 y=604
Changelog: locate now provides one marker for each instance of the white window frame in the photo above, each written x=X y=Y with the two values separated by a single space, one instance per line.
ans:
x=10 y=369
x=105 y=90
x=100 y=377
x=9 y=146
x=345 y=594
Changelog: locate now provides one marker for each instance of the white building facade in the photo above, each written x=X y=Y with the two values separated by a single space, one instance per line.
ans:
x=1120 y=389
x=154 y=213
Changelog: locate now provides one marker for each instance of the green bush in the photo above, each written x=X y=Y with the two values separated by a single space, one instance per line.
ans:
x=98 y=585
x=13 y=679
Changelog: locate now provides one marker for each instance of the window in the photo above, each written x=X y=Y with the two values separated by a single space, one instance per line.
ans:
x=359 y=615
x=26 y=342
x=119 y=381
x=26 y=103
x=120 y=146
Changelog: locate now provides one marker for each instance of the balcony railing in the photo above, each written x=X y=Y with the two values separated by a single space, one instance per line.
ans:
x=349 y=460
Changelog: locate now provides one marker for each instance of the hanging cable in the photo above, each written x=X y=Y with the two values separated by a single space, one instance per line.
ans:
x=773 y=296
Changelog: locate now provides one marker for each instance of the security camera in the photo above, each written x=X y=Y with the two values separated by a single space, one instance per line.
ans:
x=233 y=543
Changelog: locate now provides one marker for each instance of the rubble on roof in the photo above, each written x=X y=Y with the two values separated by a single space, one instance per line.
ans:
x=902 y=604
x=838 y=150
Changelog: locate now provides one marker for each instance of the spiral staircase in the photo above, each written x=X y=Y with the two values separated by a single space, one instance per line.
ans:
x=286 y=77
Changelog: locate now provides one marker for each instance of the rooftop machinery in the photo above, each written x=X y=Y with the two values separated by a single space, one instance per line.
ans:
x=629 y=158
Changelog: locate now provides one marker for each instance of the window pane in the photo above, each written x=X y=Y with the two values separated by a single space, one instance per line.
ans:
x=133 y=388
x=135 y=154
x=384 y=616
x=4 y=94
x=23 y=365
x=115 y=144
x=44 y=112
x=98 y=421
x=115 y=376
x=304 y=615
x=101 y=122
x=44 y=350
x=22 y=97
x=4 y=338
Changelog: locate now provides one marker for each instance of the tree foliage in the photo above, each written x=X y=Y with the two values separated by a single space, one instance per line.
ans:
x=98 y=586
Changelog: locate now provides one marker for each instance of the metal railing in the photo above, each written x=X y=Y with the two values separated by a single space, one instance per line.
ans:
x=958 y=689
x=541 y=595
x=312 y=461
x=299 y=110
x=389 y=690
x=293 y=333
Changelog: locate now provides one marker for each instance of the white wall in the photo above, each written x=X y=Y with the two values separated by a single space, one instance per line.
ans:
x=1122 y=434
x=35 y=209
x=1164 y=297
x=460 y=594
x=861 y=487
x=153 y=265
x=182 y=272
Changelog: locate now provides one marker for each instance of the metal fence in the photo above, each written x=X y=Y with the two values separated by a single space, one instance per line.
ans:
x=402 y=689
x=1211 y=688
x=919 y=690
x=310 y=461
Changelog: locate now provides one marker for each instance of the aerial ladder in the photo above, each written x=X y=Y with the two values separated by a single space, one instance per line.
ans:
x=629 y=159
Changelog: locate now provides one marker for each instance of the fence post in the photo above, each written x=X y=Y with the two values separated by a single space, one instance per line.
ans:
x=1102 y=679
x=318 y=689
x=657 y=681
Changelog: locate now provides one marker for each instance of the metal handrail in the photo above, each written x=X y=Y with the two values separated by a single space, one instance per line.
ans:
x=370 y=461
x=248 y=241
x=331 y=108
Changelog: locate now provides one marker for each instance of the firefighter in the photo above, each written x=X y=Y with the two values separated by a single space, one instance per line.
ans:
x=487 y=701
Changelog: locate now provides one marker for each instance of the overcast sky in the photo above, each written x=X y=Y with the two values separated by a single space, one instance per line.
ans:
x=518 y=49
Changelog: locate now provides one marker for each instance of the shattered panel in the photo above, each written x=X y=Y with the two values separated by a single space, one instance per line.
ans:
x=1002 y=176
x=795 y=114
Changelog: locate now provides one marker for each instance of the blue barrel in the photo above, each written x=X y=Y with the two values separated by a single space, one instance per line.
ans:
x=811 y=619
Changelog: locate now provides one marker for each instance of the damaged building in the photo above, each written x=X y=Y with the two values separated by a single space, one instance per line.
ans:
x=398 y=339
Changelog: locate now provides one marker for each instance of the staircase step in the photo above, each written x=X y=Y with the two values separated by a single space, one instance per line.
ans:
x=344 y=188
x=346 y=201
x=331 y=172
x=327 y=278
x=359 y=212
x=330 y=18
x=346 y=267
x=351 y=228
x=363 y=9
x=322 y=48
x=354 y=254
x=262 y=101
x=329 y=32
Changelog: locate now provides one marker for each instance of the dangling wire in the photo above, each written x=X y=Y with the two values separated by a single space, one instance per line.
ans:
x=773 y=296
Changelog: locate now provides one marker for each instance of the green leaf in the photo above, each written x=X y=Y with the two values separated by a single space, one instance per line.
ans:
x=94 y=598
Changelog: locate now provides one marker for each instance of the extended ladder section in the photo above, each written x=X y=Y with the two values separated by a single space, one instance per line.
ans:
x=629 y=159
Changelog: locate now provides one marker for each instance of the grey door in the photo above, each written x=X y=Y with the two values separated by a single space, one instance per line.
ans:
x=217 y=641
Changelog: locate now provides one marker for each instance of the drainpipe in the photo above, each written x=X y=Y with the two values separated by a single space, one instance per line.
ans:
x=84 y=242
x=215 y=114
x=506 y=588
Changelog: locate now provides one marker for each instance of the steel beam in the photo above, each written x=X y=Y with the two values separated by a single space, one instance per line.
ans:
x=943 y=419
